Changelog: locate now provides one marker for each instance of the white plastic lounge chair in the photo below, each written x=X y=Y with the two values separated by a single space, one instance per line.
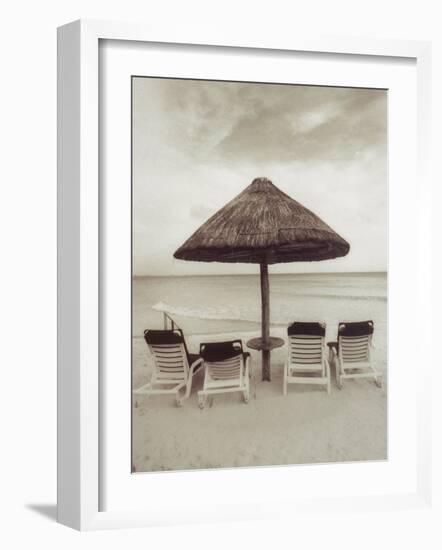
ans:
x=306 y=361
x=227 y=369
x=174 y=367
x=353 y=357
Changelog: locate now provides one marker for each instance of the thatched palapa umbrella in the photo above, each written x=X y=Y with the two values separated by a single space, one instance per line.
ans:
x=263 y=225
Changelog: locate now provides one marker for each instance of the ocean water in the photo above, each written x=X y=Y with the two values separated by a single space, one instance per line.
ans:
x=232 y=303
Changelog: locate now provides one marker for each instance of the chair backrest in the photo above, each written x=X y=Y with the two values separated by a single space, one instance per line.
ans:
x=169 y=352
x=224 y=360
x=354 y=341
x=306 y=343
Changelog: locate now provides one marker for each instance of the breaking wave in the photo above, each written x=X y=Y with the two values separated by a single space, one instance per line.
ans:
x=282 y=313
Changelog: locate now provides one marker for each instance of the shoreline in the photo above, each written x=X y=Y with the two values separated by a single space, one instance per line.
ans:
x=273 y=274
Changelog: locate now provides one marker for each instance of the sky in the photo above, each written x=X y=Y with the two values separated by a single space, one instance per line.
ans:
x=197 y=144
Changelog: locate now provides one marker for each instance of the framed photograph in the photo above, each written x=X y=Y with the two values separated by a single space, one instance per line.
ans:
x=232 y=226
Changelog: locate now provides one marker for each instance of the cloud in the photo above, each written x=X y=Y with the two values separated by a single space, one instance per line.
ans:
x=197 y=144
x=239 y=122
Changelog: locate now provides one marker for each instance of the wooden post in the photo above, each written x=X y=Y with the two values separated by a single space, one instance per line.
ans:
x=265 y=321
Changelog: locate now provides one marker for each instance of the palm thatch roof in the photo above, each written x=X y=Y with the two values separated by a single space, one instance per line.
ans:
x=263 y=225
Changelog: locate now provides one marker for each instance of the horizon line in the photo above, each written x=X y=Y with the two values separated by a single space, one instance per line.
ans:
x=257 y=274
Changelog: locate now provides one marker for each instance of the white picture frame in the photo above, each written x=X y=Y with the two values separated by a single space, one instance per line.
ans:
x=79 y=390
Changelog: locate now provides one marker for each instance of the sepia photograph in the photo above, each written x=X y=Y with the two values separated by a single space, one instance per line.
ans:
x=259 y=274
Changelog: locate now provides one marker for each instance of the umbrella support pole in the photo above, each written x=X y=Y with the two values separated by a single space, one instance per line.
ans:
x=265 y=365
x=265 y=321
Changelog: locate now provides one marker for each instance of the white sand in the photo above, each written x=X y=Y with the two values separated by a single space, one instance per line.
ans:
x=306 y=426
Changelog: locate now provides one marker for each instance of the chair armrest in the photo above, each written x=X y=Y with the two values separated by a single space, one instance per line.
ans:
x=246 y=362
x=333 y=347
x=195 y=364
x=247 y=368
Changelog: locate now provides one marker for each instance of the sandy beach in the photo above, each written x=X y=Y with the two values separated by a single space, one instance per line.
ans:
x=306 y=426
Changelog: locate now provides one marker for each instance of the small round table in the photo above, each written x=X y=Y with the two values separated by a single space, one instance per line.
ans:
x=258 y=343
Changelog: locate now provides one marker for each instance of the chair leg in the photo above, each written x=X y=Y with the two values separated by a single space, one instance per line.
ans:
x=338 y=375
x=327 y=373
x=284 y=385
x=246 y=382
x=180 y=398
x=188 y=388
x=246 y=395
x=377 y=379
x=201 y=400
